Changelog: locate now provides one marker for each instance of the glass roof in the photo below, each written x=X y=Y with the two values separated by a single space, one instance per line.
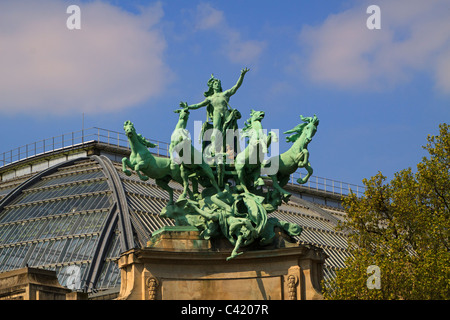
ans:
x=57 y=221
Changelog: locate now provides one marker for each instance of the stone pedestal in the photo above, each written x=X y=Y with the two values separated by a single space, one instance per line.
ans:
x=31 y=284
x=178 y=265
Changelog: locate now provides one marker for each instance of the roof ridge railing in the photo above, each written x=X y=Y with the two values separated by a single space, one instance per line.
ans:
x=77 y=139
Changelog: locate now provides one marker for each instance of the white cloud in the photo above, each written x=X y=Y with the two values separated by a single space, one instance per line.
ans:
x=414 y=38
x=234 y=47
x=208 y=17
x=115 y=61
x=443 y=72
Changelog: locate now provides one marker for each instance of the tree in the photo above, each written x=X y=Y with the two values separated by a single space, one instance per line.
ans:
x=402 y=227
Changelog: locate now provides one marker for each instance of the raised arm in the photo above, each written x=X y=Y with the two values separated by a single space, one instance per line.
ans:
x=199 y=105
x=233 y=90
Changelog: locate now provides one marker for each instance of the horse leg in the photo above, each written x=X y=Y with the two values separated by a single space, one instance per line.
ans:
x=257 y=180
x=207 y=170
x=138 y=167
x=185 y=177
x=172 y=162
x=272 y=136
x=302 y=158
x=310 y=172
x=277 y=186
x=241 y=177
x=165 y=186
x=126 y=163
x=263 y=147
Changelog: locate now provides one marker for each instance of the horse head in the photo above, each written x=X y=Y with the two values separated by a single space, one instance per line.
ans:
x=128 y=126
x=256 y=116
x=311 y=127
x=250 y=126
x=130 y=132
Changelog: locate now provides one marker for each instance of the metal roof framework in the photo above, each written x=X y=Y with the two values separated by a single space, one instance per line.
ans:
x=42 y=207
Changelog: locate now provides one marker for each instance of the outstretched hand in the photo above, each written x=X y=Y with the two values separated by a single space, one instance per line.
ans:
x=244 y=71
x=183 y=106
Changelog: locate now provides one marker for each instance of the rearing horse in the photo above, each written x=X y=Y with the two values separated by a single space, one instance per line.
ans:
x=145 y=164
x=248 y=162
x=191 y=160
x=297 y=156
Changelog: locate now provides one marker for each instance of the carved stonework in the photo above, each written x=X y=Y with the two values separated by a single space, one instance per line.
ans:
x=201 y=274
x=292 y=286
x=152 y=284
x=33 y=284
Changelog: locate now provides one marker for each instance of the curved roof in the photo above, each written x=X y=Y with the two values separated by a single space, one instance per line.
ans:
x=77 y=216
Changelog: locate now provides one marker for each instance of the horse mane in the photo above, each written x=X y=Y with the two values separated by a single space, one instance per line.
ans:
x=299 y=128
x=298 y=132
x=145 y=141
x=248 y=124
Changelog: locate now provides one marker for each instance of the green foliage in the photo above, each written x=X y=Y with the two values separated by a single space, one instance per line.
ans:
x=403 y=228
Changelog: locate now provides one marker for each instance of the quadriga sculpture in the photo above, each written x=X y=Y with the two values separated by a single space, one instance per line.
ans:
x=231 y=205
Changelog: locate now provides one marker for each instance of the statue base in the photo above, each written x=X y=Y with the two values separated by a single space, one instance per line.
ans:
x=178 y=265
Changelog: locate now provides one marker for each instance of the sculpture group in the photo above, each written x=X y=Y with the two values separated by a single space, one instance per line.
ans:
x=224 y=188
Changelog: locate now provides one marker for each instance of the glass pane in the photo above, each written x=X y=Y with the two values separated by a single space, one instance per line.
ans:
x=114 y=248
x=52 y=180
x=34 y=253
x=110 y=276
x=15 y=257
x=55 y=254
x=5 y=231
x=45 y=253
x=70 y=249
x=85 y=250
x=4 y=255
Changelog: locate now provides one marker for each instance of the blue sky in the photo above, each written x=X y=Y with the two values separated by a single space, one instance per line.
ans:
x=377 y=93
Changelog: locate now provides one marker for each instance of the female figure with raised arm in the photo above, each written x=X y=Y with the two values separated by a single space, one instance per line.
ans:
x=217 y=101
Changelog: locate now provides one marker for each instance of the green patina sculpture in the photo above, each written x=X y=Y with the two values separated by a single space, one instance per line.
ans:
x=231 y=203
x=181 y=142
x=297 y=156
x=217 y=104
x=248 y=162
x=146 y=165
